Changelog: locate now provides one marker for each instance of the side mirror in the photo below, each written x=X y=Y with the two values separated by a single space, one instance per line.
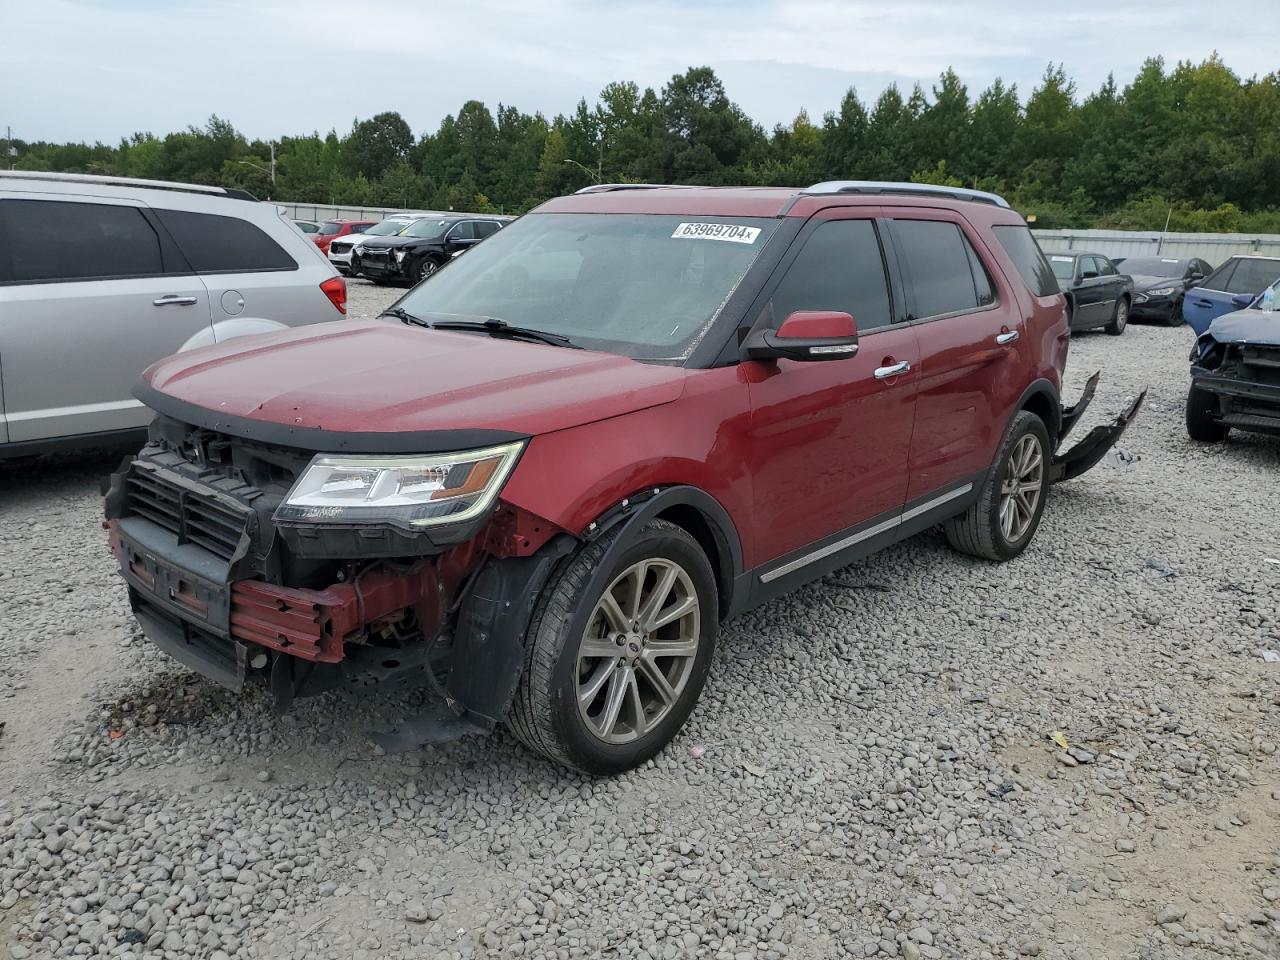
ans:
x=1089 y=275
x=807 y=335
x=1242 y=300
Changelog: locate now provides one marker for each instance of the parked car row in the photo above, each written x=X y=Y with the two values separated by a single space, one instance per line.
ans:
x=1170 y=290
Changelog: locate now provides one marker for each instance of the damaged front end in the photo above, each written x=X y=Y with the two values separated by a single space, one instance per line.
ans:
x=1235 y=366
x=226 y=582
x=1086 y=454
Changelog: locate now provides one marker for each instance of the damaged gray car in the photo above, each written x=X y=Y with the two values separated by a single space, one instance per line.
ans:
x=1235 y=372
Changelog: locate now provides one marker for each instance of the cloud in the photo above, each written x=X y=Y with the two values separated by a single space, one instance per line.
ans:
x=101 y=69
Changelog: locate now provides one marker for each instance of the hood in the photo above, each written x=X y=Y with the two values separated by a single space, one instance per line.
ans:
x=389 y=243
x=1142 y=281
x=1247 y=326
x=379 y=377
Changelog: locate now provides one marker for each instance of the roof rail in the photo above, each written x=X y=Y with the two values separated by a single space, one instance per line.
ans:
x=920 y=189
x=231 y=192
x=610 y=187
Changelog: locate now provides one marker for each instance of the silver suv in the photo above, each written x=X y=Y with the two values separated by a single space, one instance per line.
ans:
x=101 y=276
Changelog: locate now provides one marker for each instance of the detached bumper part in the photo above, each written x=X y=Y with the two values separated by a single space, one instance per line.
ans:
x=1086 y=454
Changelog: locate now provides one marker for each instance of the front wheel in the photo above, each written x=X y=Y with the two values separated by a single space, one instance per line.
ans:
x=1119 y=317
x=1175 y=315
x=611 y=677
x=1203 y=424
x=1004 y=518
x=428 y=267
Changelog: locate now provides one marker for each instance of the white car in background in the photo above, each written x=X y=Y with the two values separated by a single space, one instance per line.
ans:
x=342 y=249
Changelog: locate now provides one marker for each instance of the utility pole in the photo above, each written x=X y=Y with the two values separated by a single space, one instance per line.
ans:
x=273 y=164
x=8 y=146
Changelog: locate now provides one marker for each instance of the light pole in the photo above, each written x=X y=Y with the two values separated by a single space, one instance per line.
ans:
x=257 y=166
x=596 y=176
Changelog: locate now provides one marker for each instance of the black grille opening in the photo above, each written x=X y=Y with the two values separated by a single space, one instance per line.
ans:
x=192 y=517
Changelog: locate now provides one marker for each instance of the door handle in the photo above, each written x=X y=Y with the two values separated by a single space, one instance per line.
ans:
x=173 y=300
x=1008 y=337
x=1204 y=303
x=884 y=373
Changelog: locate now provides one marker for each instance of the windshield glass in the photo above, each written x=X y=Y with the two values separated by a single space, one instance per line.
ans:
x=644 y=286
x=1062 y=266
x=1154 y=267
x=427 y=229
x=387 y=228
x=328 y=229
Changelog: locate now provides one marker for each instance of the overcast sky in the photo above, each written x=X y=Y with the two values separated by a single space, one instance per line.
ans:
x=101 y=69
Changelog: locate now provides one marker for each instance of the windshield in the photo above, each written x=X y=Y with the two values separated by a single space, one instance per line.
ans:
x=1063 y=267
x=387 y=228
x=641 y=285
x=427 y=229
x=306 y=226
x=328 y=229
x=1155 y=267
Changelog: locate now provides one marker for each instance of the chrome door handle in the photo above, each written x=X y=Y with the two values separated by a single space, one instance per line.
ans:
x=884 y=373
x=1005 y=339
x=173 y=300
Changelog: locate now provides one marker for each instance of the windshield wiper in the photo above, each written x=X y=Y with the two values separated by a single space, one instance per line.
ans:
x=501 y=328
x=404 y=316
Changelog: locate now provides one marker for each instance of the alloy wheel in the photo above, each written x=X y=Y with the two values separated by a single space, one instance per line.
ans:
x=428 y=267
x=1122 y=314
x=638 y=651
x=1022 y=488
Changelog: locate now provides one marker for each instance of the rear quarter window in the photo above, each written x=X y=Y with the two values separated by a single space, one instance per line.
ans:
x=217 y=244
x=1028 y=258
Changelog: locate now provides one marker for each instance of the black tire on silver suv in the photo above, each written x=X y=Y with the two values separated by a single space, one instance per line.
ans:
x=1004 y=518
x=609 y=698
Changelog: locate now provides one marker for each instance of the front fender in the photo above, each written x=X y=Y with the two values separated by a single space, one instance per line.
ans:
x=230 y=329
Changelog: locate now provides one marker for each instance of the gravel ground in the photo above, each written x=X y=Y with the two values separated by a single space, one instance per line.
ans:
x=870 y=773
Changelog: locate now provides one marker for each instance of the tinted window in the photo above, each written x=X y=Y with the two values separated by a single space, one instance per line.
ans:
x=1105 y=267
x=466 y=230
x=216 y=244
x=1253 y=276
x=981 y=279
x=839 y=268
x=54 y=240
x=937 y=261
x=1028 y=258
x=360 y=227
x=329 y=229
x=1219 y=279
x=486 y=228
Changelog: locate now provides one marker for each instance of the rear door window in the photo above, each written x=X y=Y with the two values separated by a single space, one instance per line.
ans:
x=840 y=267
x=938 y=262
x=218 y=244
x=1253 y=276
x=466 y=230
x=55 y=240
x=1219 y=279
x=486 y=228
x=1028 y=258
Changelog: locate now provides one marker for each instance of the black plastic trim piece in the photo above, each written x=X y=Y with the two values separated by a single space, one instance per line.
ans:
x=319 y=440
x=133 y=437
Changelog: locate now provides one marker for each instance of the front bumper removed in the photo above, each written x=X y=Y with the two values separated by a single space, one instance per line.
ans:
x=1086 y=454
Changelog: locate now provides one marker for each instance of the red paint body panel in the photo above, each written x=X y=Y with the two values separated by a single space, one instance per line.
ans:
x=345 y=228
x=376 y=376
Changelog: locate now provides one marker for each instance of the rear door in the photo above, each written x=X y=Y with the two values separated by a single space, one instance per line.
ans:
x=1090 y=292
x=972 y=355
x=1213 y=297
x=1112 y=284
x=94 y=294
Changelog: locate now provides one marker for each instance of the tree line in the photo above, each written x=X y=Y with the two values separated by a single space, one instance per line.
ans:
x=1195 y=145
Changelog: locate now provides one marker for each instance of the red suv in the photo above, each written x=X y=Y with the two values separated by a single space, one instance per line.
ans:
x=330 y=230
x=539 y=483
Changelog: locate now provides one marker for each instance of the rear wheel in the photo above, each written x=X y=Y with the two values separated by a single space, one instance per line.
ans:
x=1202 y=417
x=610 y=697
x=1004 y=518
x=1119 y=317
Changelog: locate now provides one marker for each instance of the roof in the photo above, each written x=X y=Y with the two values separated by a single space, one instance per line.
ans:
x=773 y=201
x=46 y=178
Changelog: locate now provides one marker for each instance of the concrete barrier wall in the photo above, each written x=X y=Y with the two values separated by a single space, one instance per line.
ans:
x=1213 y=247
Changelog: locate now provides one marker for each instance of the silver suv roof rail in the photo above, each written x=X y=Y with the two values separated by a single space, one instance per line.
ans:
x=609 y=187
x=920 y=189
x=232 y=192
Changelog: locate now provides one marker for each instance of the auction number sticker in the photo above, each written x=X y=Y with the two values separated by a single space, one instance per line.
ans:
x=1060 y=259
x=731 y=232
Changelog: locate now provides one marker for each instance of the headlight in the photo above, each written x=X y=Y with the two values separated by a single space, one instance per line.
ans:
x=399 y=255
x=1159 y=292
x=412 y=492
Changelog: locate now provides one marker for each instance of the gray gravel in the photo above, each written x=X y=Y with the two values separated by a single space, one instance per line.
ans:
x=872 y=771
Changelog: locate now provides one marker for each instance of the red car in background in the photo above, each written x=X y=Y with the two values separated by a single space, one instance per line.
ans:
x=329 y=229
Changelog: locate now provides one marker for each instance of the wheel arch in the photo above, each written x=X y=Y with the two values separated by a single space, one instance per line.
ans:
x=1041 y=398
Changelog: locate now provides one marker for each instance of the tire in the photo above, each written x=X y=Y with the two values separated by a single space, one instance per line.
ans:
x=1203 y=425
x=1119 y=317
x=426 y=268
x=1175 y=315
x=981 y=531
x=545 y=715
x=354 y=269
